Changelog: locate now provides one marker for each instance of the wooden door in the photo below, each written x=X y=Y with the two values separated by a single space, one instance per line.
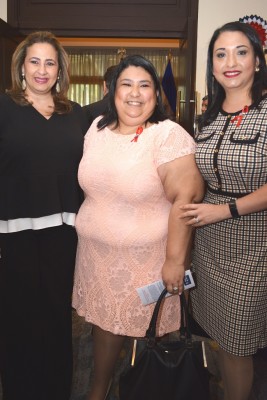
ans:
x=186 y=101
x=9 y=39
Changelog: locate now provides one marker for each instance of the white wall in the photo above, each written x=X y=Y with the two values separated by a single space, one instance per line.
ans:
x=3 y=10
x=211 y=15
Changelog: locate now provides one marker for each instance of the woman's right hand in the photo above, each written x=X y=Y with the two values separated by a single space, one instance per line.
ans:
x=173 y=276
x=203 y=214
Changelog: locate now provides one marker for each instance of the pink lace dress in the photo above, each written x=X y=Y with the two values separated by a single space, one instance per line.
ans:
x=122 y=227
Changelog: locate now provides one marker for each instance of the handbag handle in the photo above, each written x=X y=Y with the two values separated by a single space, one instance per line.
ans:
x=151 y=331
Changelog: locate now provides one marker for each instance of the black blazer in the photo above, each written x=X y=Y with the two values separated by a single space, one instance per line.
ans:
x=95 y=109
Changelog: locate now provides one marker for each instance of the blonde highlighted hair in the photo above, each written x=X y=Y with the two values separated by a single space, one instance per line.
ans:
x=61 y=102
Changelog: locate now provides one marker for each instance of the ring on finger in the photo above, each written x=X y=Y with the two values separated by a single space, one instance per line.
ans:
x=196 y=219
x=175 y=289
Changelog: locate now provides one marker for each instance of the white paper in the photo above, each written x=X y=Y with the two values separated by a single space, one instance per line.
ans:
x=151 y=292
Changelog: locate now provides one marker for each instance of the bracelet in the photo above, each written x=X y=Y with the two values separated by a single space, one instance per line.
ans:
x=233 y=210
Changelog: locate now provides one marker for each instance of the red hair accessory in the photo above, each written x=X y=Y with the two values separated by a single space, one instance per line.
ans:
x=259 y=24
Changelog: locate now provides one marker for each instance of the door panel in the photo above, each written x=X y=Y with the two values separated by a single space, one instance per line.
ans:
x=186 y=103
x=103 y=18
x=9 y=39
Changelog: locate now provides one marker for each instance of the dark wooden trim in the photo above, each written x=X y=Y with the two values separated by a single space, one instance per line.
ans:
x=91 y=80
x=102 y=18
x=9 y=32
x=9 y=39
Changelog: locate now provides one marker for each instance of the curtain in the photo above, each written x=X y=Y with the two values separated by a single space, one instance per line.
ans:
x=87 y=68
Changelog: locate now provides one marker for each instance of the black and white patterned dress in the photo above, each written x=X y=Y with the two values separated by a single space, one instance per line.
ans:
x=230 y=257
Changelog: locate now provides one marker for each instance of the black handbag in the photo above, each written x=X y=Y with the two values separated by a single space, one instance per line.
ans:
x=174 y=370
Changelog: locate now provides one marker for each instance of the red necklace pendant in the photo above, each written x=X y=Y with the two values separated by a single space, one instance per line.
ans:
x=238 y=118
x=137 y=133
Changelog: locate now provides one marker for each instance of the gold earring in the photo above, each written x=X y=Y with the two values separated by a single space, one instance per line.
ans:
x=23 y=82
x=58 y=85
x=257 y=69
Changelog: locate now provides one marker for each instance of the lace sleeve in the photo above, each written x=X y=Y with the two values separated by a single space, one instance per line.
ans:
x=174 y=142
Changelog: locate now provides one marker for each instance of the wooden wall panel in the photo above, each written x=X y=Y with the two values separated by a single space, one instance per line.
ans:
x=9 y=39
x=103 y=18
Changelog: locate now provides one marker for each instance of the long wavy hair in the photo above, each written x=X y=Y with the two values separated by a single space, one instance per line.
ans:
x=61 y=102
x=216 y=93
x=111 y=116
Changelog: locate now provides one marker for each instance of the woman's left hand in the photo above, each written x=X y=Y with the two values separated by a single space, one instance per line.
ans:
x=203 y=214
x=173 y=277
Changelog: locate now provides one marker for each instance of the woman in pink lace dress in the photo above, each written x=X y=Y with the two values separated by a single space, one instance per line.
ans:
x=138 y=167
